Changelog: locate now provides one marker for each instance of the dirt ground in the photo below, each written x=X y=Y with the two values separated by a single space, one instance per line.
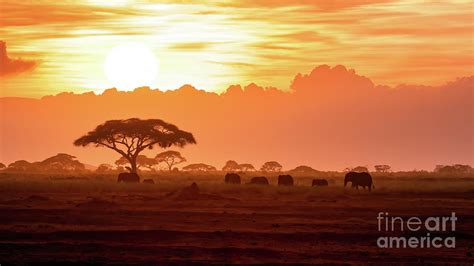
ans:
x=150 y=224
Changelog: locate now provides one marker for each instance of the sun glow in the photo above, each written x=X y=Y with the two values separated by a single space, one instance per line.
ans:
x=131 y=65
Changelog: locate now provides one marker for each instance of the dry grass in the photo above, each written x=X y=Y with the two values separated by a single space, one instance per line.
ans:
x=213 y=183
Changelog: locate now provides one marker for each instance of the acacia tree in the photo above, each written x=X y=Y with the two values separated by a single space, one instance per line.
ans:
x=199 y=167
x=61 y=162
x=231 y=166
x=131 y=136
x=170 y=158
x=271 y=166
x=382 y=168
x=360 y=169
x=245 y=167
x=105 y=167
x=142 y=161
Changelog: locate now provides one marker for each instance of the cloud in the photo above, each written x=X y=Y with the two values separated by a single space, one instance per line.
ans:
x=10 y=66
x=332 y=118
x=321 y=5
x=191 y=46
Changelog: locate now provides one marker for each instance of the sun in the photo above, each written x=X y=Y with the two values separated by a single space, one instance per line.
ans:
x=131 y=65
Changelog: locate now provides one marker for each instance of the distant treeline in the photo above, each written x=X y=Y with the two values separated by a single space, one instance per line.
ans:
x=167 y=161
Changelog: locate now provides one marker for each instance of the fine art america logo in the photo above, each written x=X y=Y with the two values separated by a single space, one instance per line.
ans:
x=393 y=224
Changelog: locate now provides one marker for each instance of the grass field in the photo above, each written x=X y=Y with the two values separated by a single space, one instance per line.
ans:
x=91 y=218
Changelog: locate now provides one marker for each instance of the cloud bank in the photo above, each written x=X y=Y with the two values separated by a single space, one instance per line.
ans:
x=330 y=119
x=10 y=67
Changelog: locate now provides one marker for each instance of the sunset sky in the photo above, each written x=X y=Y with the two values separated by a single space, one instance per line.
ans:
x=329 y=84
x=56 y=46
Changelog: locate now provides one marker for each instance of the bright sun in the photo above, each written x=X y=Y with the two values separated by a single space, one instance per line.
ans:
x=130 y=65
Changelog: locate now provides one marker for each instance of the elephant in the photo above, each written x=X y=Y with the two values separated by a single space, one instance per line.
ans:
x=320 y=183
x=259 y=180
x=359 y=179
x=128 y=178
x=285 y=180
x=231 y=178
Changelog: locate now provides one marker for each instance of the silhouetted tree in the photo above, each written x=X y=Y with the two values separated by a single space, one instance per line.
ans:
x=58 y=163
x=61 y=162
x=303 y=169
x=104 y=168
x=142 y=161
x=245 y=167
x=2 y=166
x=231 y=166
x=360 y=169
x=199 y=167
x=131 y=136
x=122 y=162
x=146 y=162
x=20 y=165
x=456 y=168
x=382 y=168
x=170 y=158
x=271 y=166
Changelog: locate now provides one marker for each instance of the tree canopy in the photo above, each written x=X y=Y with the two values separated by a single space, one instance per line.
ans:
x=271 y=166
x=382 y=168
x=199 y=167
x=129 y=137
x=58 y=162
x=304 y=169
x=231 y=166
x=245 y=167
x=360 y=169
x=456 y=168
x=142 y=161
x=170 y=158
x=104 y=168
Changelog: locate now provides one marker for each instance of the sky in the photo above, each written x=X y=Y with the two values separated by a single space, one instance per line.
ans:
x=55 y=46
x=329 y=84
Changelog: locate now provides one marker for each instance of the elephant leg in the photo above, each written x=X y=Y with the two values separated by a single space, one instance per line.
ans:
x=370 y=188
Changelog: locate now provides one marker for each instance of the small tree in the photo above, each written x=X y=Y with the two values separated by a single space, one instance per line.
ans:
x=382 y=168
x=61 y=162
x=170 y=158
x=122 y=162
x=199 y=167
x=146 y=162
x=142 y=161
x=21 y=165
x=304 y=169
x=457 y=168
x=362 y=169
x=231 y=166
x=245 y=167
x=130 y=137
x=271 y=166
x=104 y=168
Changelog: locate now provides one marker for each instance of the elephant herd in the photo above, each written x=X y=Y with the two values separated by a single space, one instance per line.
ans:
x=363 y=180
x=357 y=179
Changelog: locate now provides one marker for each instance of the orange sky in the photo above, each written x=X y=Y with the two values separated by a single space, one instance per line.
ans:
x=212 y=44
x=328 y=117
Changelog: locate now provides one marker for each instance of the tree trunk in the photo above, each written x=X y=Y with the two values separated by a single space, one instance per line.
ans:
x=133 y=164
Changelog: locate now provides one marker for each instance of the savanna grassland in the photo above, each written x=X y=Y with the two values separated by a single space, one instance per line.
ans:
x=90 y=218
